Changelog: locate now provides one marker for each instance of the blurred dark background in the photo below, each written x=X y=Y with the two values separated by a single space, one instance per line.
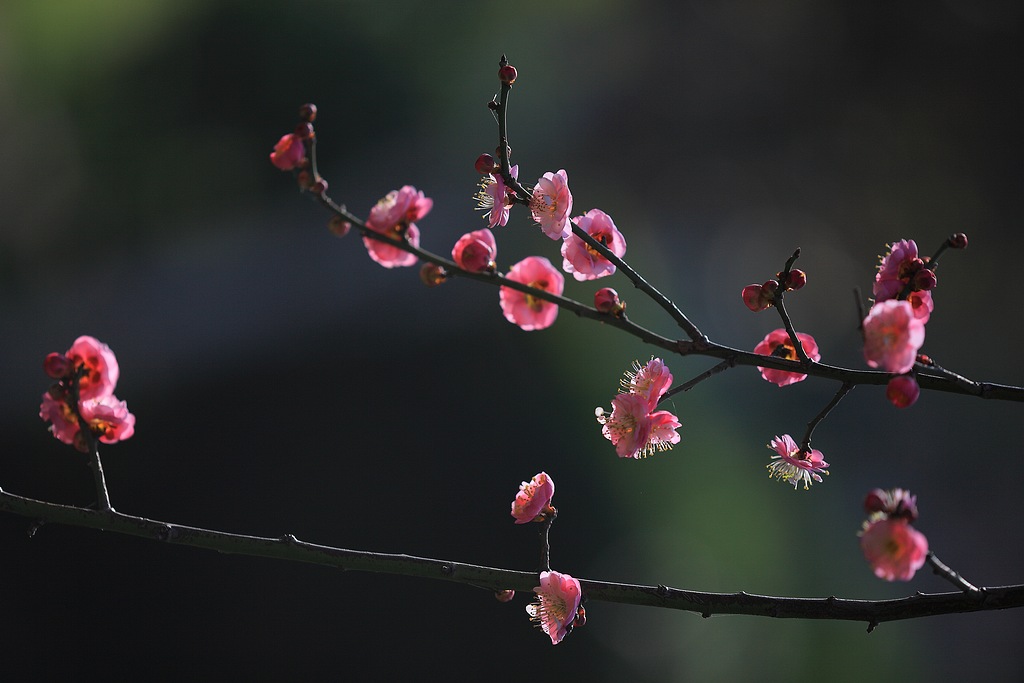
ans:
x=284 y=383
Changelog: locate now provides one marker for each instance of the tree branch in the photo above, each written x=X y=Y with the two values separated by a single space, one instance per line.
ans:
x=291 y=549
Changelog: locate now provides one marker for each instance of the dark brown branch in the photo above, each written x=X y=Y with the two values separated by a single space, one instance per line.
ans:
x=291 y=549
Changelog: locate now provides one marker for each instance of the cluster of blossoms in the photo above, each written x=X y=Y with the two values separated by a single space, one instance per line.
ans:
x=792 y=464
x=86 y=376
x=635 y=427
x=557 y=609
x=894 y=549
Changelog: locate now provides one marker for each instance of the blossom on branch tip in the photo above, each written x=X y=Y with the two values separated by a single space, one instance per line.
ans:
x=606 y=300
x=288 y=152
x=793 y=465
x=107 y=417
x=394 y=217
x=558 y=601
x=551 y=204
x=894 y=549
x=494 y=197
x=526 y=310
x=97 y=366
x=582 y=260
x=778 y=343
x=892 y=336
x=649 y=381
x=533 y=502
x=475 y=251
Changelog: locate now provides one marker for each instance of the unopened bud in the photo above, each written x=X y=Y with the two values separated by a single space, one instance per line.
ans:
x=904 y=505
x=505 y=595
x=304 y=179
x=606 y=300
x=339 y=226
x=319 y=187
x=902 y=391
x=924 y=280
x=507 y=74
x=304 y=131
x=957 y=241
x=878 y=500
x=795 y=279
x=57 y=365
x=485 y=164
x=307 y=112
x=432 y=274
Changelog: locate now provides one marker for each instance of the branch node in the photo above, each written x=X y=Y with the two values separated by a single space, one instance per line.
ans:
x=447 y=569
x=166 y=533
x=872 y=625
x=289 y=538
x=662 y=591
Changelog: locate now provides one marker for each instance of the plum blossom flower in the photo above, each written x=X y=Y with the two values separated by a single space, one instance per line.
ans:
x=558 y=601
x=892 y=336
x=551 y=204
x=894 y=549
x=475 y=251
x=634 y=430
x=793 y=465
x=901 y=268
x=534 y=499
x=394 y=217
x=288 y=152
x=493 y=197
x=778 y=343
x=91 y=373
x=581 y=259
x=649 y=381
x=528 y=311
x=98 y=364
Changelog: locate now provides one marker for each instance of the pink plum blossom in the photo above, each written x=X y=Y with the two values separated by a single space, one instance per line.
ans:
x=99 y=364
x=896 y=270
x=394 y=217
x=634 y=430
x=534 y=499
x=902 y=391
x=558 y=601
x=778 y=343
x=582 y=260
x=650 y=381
x=528 y=311
x=892 y=336
x=107 y=417
x=792 y=465
x=923 y=305
x=493 y=197
x=894 y=549
x=475 y=251
x=551 y=204
x=288 y=152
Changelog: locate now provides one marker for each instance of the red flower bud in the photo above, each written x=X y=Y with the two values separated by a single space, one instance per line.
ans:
x=57 y=365
x=508 y=74
x=924 y=280
x=485 y=164
x=339 y=226
x=307 y=112
x=902 y=391
x=318 y=187
x=795 y=279
x=505 y=595
x=957 y=241
x=606 y=300
x=304 y=131
x=878 y=500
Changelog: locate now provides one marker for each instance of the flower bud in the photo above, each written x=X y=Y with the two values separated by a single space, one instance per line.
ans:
x=507 y=74
x=924 y=280
x=485 y=164
x=307 y=112
x=432 y=274
x=957 y=241
x=319 y=186
x=505 y=595
x=902 y=391
x=339 y=226
x=794 y=279
x=304 y=131
x=606 y=300
x=759 y=297
x=878 y=500
x=57 y=365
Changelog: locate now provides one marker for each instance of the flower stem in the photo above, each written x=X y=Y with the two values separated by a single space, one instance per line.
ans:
x=843 y=391
x=948 y=574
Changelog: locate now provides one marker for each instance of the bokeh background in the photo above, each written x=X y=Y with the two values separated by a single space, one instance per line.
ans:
x=284 y=383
